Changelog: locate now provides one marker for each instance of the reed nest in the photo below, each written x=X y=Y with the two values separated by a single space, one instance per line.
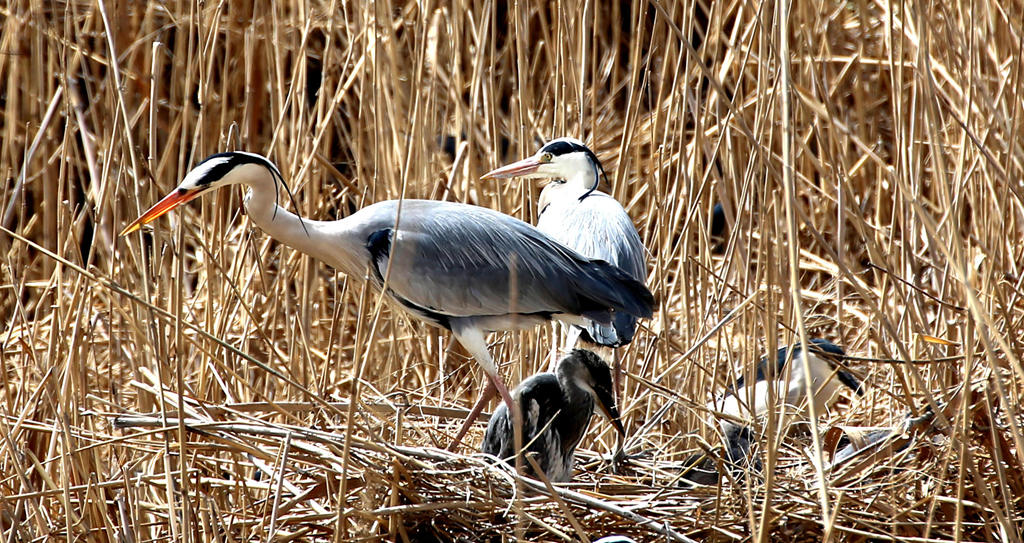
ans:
x=201 y=382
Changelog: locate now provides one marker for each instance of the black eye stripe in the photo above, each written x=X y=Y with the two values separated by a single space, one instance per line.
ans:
x=233 y=160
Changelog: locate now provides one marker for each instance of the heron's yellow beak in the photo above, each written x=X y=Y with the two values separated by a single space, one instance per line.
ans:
x=169 y=202
x=523 y=167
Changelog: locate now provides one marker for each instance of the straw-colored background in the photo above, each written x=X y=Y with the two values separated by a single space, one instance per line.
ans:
x=906 y=215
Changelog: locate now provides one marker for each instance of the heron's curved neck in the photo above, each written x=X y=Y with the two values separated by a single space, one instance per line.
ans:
x=583 y=179
x=577 y=408
x=311 y=237
x=569 y=193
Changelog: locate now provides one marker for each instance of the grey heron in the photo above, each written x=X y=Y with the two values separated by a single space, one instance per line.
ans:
x=556 y=413
x=451 y=265
x=578 y=215
x=741 y=404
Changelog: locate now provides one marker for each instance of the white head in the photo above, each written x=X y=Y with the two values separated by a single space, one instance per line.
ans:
x=215 y=171
x=562 y=159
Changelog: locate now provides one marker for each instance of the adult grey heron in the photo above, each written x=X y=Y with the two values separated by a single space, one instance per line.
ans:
x=556 y=413
x=578 y=215
x=451 y=265
x=741 y=404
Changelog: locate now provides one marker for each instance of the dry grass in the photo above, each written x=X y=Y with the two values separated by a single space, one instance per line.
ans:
x=873 y=189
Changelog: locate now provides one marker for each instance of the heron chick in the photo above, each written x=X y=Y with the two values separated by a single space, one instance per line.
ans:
x=556 y=413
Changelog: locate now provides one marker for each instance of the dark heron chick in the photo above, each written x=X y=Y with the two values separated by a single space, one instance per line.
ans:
x=735 y=456
x=556 y=413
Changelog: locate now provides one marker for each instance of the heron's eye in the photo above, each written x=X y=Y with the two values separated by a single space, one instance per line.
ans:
x=546 y=157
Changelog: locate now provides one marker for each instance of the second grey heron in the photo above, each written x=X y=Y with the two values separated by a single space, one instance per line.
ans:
x=451 y=265
x=574 y=212
x=556 y=413
x=578 y=215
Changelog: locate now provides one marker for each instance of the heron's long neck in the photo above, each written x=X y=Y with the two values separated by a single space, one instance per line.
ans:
x=582 y=180
x=576 y=185
x=315 y=238
x=578 y=402
x=573 y=392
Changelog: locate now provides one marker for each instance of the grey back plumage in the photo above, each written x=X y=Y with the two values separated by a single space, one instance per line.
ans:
x=455 y=262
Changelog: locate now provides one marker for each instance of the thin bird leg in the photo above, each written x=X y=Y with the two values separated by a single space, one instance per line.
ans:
x=485 y=396
x=514 y=412
x=494 y=384
x=473 y=340
x=506 y=396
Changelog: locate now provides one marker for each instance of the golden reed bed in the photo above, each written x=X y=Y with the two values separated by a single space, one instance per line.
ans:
x=205 y=383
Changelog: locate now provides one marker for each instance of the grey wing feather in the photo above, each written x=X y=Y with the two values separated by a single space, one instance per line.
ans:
x=598 y=227
x=462 y=261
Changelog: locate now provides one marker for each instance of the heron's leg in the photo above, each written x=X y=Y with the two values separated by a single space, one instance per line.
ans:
x=571 y=334
x=473 y=340
x=513 y=409
x=553 y=355
x=485 y=396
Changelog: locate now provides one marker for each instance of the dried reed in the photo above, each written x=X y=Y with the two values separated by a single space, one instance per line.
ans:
x=203 y=382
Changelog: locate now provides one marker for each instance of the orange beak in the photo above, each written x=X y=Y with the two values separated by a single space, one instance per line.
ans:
x=169 y=202
x=523 y=167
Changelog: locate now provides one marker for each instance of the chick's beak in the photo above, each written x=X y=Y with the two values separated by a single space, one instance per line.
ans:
x=525 y=166
x=606 y=403
x=169 y=202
